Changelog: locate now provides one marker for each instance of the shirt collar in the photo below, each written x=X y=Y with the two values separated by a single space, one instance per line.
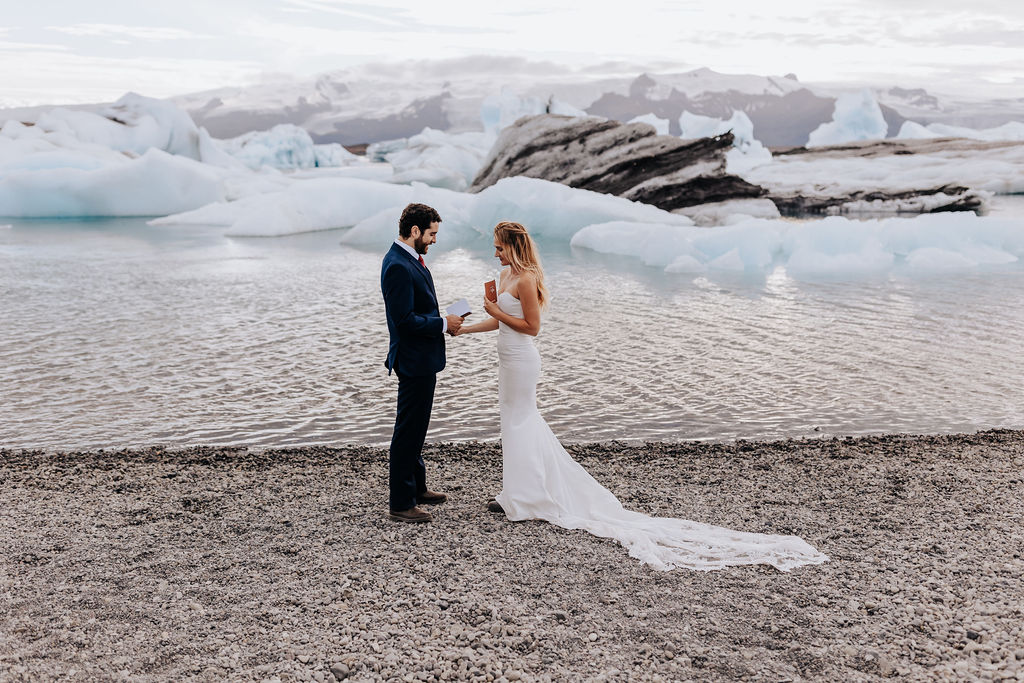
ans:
x=410 y=250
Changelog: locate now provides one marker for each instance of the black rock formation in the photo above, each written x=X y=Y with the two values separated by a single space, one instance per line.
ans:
x=625 y=159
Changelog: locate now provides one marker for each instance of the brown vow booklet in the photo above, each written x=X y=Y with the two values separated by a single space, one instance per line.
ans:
x=490 y=290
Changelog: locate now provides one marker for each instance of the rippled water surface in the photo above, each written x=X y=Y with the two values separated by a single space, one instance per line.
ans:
x=114 y=334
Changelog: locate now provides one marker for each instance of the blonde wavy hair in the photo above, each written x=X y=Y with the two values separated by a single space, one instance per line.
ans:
x=521 y=252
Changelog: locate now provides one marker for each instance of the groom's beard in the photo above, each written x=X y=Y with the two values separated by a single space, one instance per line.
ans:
x=421 y=247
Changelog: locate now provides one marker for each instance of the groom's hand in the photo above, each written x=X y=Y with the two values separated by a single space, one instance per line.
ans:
x=454 y=324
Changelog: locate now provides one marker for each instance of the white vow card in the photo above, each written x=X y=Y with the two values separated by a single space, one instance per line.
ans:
x=459 y=308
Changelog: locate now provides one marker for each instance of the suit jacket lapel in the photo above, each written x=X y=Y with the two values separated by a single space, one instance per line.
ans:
x=422 y=270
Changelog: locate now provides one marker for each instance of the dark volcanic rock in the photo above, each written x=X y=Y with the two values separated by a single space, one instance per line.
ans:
x=956 y=198
x=822 y=187
x=628 y=160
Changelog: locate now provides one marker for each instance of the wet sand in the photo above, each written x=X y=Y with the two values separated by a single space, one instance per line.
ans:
x=214 y=563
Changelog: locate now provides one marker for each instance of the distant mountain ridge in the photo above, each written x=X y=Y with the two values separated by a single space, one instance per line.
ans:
x=372 y=103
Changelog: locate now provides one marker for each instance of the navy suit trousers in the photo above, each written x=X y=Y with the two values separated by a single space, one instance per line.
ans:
x=408 y=473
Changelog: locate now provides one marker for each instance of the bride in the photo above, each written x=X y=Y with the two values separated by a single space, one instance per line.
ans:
x=540 y=480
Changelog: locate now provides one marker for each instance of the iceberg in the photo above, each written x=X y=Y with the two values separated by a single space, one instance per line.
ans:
x=304 y=206
x=141 y=157
x=1010 y=131
x=153 y=184
x=911 y=130
x=287 y=147
x=434 y=157
x=747 y=151
x=857 y=116
x=831 y=247
x=502 y=110
x=551 y=210
x=660 y=125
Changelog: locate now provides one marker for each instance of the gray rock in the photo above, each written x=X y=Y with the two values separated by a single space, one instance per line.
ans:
x=625 y=159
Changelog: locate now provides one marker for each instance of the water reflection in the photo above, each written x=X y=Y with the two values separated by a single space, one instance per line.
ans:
x=119 y=334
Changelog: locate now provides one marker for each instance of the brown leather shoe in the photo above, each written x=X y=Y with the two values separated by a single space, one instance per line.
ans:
x=431 y=498
x=413 y=514
x=494 y=506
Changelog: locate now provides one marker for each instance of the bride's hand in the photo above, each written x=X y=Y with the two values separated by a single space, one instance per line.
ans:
x=491 y=307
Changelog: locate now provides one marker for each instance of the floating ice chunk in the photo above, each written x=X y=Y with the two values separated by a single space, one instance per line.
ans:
x=911 y=130
x=285 y=146
x=334 y=154
x=730 y=260
x=692 y=126
x=834 y=246
x=660 y=125
x=655 y=244
x=502 y=110
x=434 y=157
x=857 y=116
x=936 y=258
x=308 y=205
x=754 y=242
x=556 y=211
x=684 y=248
x=456 y=229
x=1010 y=131
x=549 y=210
x=132 y=124
x=156 y=183
x=685 y=263
x=1013 y=130
x=747 y=151
x=562 y=108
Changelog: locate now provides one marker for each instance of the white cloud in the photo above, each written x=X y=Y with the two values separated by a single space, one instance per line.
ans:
x=122 y=31
x=62 y=77
x=912 y=43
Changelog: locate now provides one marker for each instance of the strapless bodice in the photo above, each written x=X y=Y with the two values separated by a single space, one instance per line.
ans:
x=509 y=304
x=506 y=335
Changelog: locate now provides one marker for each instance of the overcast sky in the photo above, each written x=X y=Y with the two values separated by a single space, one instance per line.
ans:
x=62 y=51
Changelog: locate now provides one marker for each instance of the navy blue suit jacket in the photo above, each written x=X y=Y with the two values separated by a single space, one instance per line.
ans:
x=414 y=321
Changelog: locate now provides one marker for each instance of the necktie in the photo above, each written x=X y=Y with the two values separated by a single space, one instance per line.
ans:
x=421 y=261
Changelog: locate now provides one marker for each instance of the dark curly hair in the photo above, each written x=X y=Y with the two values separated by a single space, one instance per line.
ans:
x=419 y=215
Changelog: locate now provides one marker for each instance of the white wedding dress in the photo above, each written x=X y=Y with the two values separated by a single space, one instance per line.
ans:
x=540 y=480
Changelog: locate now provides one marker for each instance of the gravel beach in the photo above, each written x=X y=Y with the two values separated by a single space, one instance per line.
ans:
x=230 y=563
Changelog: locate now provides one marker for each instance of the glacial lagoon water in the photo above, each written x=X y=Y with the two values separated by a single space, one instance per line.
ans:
x=118 y=334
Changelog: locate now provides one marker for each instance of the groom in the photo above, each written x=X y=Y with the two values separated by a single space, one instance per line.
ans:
x=416 y=355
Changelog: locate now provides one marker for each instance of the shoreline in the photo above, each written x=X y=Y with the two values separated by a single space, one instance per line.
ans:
x=203 y=452
x=213 y=563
